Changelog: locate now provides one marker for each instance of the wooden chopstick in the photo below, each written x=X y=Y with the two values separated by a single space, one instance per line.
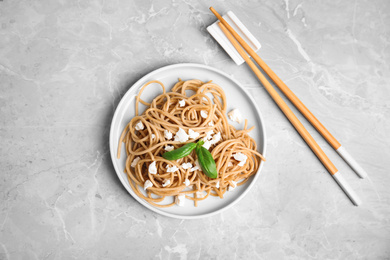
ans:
x=295 y=100
x=294 y=121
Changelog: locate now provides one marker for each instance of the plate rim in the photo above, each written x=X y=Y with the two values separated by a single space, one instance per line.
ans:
x=113 y=150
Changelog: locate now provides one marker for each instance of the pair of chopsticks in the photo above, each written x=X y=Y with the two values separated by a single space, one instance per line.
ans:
x=239 y=44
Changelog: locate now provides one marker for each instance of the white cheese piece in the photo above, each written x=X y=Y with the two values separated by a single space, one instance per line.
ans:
x=196 y=167
x=168 y=135
x=169 y=148
x=172 y=169
x=197 y=163
x=235 y=115
x=211 y=123
x=192 y=134
x=139 y=125
x=207 y=144
x=241 y=158
x=187 y=182
x=217 y=185
x=153 y=136
x=199 y=194
x=216 y=138
x=208 y=135
x=230 y=164
x=166 y=183
x=152 y=168
x=180 y=200
x=135 y=161
x=186 y=166
x=232 y=186
x=181 y=136
x=203 y=113
x=148 y=184
x=182 y=103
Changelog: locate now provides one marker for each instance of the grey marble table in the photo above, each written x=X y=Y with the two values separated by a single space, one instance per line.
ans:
x=64 y=66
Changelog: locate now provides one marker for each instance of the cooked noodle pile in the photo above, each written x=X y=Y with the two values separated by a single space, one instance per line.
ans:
x=191 y=111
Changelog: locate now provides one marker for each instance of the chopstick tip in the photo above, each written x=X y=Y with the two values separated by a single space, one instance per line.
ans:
x=215 y=12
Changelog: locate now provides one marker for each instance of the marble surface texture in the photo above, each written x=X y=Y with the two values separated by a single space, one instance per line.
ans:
x=64 y=66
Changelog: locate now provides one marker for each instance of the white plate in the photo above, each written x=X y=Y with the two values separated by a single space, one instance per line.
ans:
x=237 y=97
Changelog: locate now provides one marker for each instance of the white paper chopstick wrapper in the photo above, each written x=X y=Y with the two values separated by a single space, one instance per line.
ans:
x=240 y=28
x=347 y=189
x=349 y=159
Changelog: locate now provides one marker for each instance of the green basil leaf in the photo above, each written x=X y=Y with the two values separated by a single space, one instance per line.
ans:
x=180 y=152
x=206 y=162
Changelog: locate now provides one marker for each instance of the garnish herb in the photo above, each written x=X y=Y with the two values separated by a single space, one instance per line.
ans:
x=179 y=152
x=205 y=159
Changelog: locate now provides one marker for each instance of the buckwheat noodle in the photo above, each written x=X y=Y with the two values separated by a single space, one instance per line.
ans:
x=166 y=113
